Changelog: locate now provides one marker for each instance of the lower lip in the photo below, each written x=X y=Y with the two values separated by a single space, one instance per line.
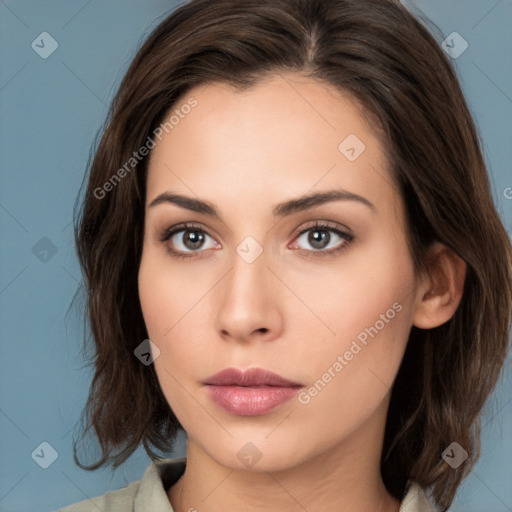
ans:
x=250 y=401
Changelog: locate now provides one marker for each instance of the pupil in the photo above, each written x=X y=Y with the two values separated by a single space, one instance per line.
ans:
x=193 y=239
x=319 y=238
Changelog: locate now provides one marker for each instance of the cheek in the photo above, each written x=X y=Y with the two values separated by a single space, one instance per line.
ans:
x=167 y=293
x=355 y=292
x=367 y=304
x=175 y=304
x=169 y=304
x=351 y=376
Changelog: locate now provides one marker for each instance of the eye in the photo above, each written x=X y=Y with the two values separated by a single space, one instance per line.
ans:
x=322 y=238
x=187 y=238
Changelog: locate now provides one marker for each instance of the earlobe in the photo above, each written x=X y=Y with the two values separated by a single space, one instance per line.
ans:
x=440 y=294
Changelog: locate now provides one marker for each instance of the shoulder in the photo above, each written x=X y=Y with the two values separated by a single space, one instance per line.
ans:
x=415 y=499
x=120 y=500
x=148 y=494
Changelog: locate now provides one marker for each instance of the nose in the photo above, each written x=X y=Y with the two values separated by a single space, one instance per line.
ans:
x=247 y=303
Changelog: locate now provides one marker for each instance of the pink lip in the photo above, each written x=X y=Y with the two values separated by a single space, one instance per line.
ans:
x=251 y=377
x=251 y=392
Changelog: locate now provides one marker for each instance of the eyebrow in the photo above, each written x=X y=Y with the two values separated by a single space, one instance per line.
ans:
x=281 y=210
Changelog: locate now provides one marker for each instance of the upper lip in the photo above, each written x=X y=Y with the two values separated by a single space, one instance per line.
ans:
x=249 y=377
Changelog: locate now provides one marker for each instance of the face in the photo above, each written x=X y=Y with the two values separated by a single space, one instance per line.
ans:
x=244 y=272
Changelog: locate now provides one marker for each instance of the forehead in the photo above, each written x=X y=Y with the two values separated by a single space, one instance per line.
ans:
x=289 y=106
x=284 y=136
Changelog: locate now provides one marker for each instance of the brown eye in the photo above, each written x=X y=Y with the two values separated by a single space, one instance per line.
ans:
x=185 y=240
x=193 y=239
x=319 y=238
x=322 y=238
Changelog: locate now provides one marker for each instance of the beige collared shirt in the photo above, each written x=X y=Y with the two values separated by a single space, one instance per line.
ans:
x=149 y=494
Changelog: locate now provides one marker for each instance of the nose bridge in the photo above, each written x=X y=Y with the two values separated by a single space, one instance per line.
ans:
x=247 y=279
x=247 y=304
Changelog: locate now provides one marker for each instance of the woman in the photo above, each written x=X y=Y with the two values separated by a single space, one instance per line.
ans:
x=291 y=253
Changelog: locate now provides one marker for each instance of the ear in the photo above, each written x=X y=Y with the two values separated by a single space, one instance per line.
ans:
x=440 y=292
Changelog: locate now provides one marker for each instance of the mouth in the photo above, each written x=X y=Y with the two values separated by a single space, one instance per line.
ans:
x=250 y=393
x=253 y=377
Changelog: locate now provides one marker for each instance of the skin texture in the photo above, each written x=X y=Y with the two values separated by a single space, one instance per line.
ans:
x=292 y=310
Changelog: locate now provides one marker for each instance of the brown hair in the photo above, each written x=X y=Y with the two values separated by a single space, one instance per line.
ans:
x=381 y=55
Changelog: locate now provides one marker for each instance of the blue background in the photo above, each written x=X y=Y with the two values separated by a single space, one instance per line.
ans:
x=51 y=110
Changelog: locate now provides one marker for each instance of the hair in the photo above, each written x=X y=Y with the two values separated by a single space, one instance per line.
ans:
x=380 y=55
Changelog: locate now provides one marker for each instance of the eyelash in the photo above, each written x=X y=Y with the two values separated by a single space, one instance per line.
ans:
x=316 y=226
